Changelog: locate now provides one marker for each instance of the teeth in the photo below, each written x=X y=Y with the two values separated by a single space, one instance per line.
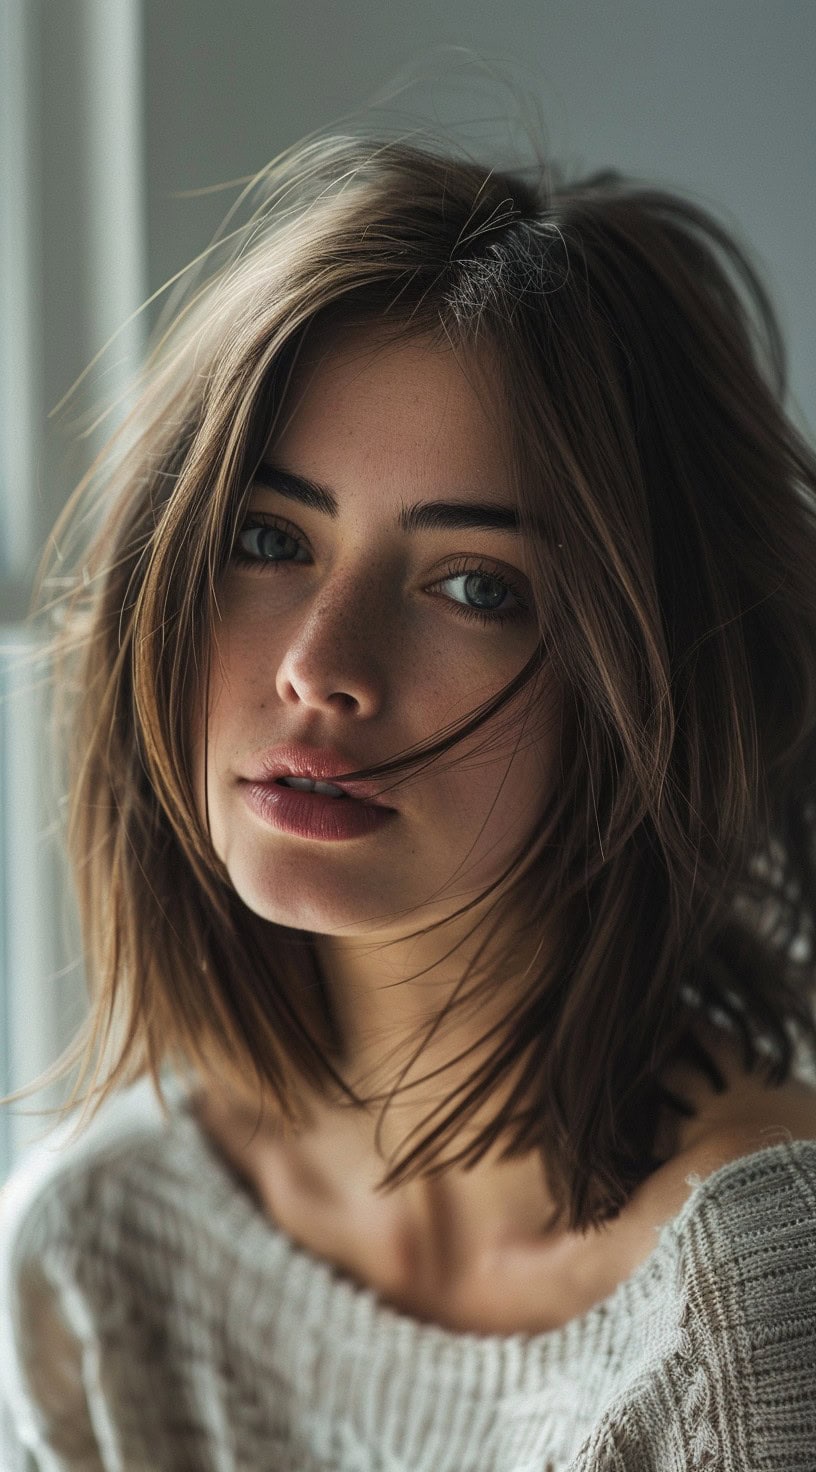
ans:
x=305 y=784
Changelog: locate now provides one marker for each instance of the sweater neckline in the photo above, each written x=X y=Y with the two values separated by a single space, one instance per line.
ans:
x=257 y=1238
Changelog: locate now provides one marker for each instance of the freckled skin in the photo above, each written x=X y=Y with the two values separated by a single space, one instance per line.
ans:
x=353 y=649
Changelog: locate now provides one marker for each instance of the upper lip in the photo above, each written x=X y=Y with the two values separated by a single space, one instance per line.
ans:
x=322 y=764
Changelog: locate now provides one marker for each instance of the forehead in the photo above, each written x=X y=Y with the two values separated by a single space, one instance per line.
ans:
x=379 y=398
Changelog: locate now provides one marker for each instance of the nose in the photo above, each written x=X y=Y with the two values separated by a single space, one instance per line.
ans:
x=332 y=660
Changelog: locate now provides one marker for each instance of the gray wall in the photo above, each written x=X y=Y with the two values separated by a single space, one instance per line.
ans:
x=712 y=96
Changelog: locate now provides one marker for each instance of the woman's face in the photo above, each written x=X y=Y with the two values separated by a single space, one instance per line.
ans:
x=347 y=631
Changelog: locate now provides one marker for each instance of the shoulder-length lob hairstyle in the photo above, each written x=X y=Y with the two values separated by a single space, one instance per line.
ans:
x=669 y=505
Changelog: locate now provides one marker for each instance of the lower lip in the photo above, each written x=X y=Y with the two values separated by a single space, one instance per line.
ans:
x=313 y=815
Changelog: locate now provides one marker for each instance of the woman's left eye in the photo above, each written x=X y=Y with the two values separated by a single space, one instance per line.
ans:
x=492 y=588
x=268 y=536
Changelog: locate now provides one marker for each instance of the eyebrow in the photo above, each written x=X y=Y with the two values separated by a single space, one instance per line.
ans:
x=423 y=516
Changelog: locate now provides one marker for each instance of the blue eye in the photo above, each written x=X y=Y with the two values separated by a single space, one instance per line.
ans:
x=269 y=536
x=478 y=577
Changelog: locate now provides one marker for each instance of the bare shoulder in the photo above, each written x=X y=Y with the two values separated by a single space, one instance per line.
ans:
x=751 y=1111
x=750 y=1115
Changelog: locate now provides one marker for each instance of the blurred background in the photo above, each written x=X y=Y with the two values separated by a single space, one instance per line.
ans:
x=127 y=131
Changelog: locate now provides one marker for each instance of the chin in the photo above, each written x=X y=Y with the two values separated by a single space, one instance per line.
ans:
x=299 y=912
x=284 y=894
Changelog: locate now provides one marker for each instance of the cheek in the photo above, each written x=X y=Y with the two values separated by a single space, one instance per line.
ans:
x=210 y=710
x=197 y=763
x=521 y=764
x=241 y=667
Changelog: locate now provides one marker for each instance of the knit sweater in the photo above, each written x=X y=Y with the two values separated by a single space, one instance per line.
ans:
x=154 y=1319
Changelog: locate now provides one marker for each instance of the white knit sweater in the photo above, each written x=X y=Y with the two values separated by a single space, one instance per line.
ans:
x=153 y=1319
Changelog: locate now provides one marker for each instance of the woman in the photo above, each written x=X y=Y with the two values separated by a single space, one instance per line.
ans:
x=456 y=1115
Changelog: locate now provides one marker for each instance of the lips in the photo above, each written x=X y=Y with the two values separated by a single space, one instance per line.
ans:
x=310 y=815
x=321 y=764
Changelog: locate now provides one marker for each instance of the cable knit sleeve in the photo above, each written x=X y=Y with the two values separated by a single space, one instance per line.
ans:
x=774 y=1299
x=735 y=1386
x=46 y=1424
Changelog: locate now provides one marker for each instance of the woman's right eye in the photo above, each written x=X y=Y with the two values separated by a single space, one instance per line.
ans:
x=263 y=543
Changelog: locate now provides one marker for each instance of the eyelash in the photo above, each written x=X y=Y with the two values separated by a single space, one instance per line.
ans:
x=484 y=616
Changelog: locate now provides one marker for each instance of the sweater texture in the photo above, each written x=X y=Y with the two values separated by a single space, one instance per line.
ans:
x=154 y=1319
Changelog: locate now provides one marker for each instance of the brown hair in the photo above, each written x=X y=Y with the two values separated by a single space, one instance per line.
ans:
x=669 y=503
